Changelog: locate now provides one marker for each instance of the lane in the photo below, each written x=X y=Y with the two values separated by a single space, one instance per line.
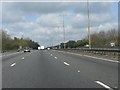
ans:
x=8 y=60
x=41 y=70
x=10 y=55
x=97 y=70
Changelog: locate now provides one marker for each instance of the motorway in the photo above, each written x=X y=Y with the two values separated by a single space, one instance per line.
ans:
x=53 y=69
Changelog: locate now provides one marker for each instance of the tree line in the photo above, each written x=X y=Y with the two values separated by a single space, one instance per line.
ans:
x=101 y=39
x=15 y=43
x=105 y=38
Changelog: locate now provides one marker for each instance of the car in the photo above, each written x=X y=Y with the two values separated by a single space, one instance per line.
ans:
x=26 y=50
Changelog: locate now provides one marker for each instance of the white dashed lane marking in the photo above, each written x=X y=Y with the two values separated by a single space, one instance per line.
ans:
x=23 y=58
x=55 y=57
x=13 y=64
x=66 y=63
x=102 y=84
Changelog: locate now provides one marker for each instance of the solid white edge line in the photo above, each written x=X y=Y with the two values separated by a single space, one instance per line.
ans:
x=66 y=63
x=101 y=58
x=75 y=53
x=13 y=64
x=10 y=54
x=92 y=57
x=102 y=84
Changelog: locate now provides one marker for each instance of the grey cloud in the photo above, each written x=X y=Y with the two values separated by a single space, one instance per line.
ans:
x=15 y=12
x=11 y=18
x=49 y=20
x=81 y=20
x=55 y=7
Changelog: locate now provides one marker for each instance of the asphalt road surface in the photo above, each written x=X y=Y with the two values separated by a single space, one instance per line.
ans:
x=53 y=69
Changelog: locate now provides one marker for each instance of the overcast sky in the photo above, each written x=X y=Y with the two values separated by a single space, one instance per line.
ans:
x=40 y=20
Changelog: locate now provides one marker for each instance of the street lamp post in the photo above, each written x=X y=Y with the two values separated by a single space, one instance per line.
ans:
x=89 y=37
x=58 y=39
x=63 y=29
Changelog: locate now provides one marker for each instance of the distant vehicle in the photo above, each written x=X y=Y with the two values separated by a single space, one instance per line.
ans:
x=42 y=47
x=87 y=46
x=26 y=50
x=48 y=48
x=39 y=48
x=112 y=44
